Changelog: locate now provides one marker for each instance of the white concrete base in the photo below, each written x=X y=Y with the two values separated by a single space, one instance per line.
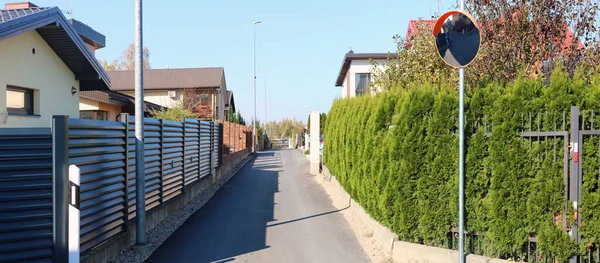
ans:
x=398 y=251
x=314 y=168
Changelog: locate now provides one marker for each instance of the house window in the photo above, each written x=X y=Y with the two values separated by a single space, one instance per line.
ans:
x=99 y=115
x=19 y=100
x=362 y=83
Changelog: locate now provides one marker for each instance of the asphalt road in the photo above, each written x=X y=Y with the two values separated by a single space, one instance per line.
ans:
x=271 y=211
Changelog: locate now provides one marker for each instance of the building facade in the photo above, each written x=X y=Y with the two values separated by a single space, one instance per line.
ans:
x=44 y=64
x=204 y=90
x=356 y=74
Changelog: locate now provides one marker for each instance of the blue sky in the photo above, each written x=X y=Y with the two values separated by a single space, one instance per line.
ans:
x=300 y=43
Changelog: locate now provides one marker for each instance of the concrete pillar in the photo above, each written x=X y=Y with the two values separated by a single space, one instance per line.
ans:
x=314 y=142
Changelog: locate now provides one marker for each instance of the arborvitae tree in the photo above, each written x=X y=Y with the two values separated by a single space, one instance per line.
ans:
x=433 y=183
x=411 y=166
x=396 y=154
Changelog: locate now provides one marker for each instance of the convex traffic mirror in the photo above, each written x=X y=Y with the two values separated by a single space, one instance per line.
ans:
x=457 y=38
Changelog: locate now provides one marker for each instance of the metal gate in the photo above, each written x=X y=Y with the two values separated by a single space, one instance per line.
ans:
x=581 y=127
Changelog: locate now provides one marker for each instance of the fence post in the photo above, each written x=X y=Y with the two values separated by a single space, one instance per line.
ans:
x=574 y=187
x=60 y=187
x=199 y=147
x=125 y=119
x=212 y=150
x=221 y=144
x=162 y=159
x=183 y=157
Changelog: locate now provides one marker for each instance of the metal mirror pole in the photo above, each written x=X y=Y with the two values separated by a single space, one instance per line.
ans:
x=461 y=167
x=461 y=161
x=140 y=202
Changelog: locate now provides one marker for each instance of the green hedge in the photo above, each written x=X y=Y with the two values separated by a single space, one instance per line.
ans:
x=396 y=154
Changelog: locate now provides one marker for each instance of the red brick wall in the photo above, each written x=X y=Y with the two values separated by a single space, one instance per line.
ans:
x=236 y=138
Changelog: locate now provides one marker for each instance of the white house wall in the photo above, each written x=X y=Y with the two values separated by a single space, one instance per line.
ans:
x=44 y=72
x=358 y=66
x=160 y=97
x=87 y=104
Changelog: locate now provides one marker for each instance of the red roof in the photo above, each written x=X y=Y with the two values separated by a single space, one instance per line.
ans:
x=413 y=29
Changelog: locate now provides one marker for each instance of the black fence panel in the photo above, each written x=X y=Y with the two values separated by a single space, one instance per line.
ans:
x=176 y=154
x=192 y=151
x=153 y=144
x=219 y=144
x=98 y=149
x=25 y=195
x=205 y=148
x=172 y=178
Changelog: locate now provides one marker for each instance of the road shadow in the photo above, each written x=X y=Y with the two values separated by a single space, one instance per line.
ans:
x=308 y=217
x=234 y=222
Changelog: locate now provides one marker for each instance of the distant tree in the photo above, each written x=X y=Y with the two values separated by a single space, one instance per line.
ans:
x=231 y=116
x=109 y=66
x=521 y=35
x=127 y=60
x=417 y=62
x=323 y=119
x=235 y=117
x=322 y=122
x=240 y=119
x=284 y=128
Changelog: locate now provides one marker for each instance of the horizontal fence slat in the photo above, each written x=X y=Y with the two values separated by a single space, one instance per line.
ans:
x=25 y=195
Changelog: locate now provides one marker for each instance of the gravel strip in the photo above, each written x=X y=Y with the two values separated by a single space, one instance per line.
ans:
x=167 y=227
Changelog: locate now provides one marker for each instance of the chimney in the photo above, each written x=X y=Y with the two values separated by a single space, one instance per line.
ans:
x=19 y=5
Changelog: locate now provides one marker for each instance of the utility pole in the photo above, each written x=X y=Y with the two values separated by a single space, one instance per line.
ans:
x=254 y=136
x=140 y=184
x=266 y=102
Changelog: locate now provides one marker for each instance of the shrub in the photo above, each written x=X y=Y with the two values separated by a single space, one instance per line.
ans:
x=396 y=154
x=176 y=113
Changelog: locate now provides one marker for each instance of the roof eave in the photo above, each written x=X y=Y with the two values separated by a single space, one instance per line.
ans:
x=359 y=56
x=54 y=16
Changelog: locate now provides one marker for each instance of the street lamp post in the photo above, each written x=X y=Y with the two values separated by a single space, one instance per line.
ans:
x=266 y=101
x=255 y=143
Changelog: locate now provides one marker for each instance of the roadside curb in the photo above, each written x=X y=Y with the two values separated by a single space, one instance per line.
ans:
x=394 y=249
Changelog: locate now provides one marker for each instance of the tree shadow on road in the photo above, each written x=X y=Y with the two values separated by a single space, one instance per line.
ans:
x=233 y=222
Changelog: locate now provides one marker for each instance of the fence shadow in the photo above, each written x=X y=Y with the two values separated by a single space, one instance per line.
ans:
x=234 y=222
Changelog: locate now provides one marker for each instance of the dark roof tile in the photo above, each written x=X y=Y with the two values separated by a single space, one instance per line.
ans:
x=8 y=15
x=162 y=79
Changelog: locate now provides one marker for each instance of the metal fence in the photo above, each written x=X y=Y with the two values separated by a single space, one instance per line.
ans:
x=176 y=155
x=98 y=149
x=33 y=165
x=25 y=195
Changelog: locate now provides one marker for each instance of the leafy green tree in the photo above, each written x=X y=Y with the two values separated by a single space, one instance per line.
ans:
x=519 y=38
